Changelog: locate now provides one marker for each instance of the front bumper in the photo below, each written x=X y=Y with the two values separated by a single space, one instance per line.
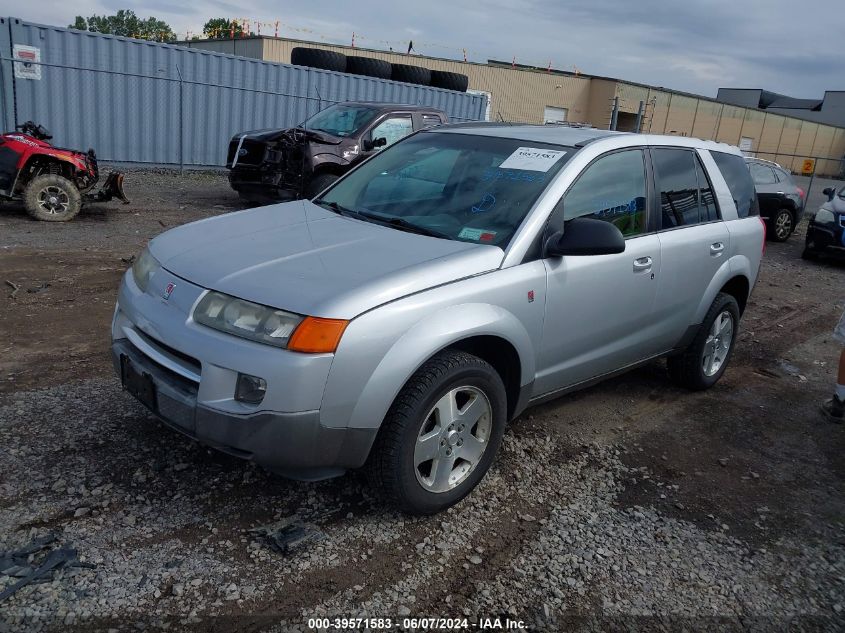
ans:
x=827 y=237
x=194 y=370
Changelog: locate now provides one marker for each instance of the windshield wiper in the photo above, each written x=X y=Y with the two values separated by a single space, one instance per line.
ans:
x=336 y=208
x=375 y=218
x=403 y=225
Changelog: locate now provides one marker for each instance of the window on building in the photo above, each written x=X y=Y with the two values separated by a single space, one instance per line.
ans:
x=553 y=114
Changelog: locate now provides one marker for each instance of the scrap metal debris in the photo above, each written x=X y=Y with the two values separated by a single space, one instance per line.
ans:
x=15 y=287
x=17 y=563
x=287 y=535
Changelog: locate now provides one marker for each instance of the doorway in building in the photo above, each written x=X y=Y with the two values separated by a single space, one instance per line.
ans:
x=552 y=114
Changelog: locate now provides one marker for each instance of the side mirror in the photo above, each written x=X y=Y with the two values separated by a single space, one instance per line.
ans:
x=829 y=192
x=586 y=236
x=376 y=142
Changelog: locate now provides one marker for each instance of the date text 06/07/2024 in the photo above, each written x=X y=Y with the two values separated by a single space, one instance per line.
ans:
x=411 y=623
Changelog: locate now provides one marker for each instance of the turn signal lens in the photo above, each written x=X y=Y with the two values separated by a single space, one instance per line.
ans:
x=317 y=336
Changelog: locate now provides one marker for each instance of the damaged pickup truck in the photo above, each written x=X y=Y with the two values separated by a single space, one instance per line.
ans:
x=272 y=165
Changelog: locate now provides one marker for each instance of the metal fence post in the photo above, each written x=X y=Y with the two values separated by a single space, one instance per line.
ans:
x=640 y=116
x=614 y=114
x=181 y=121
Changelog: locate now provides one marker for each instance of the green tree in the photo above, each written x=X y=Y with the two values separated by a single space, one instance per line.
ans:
x=127 y=24
x=221 y=28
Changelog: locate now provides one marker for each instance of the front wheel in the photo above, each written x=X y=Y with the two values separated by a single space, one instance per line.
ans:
x=319 y=183
x=702 y=364
x=52 y=198
x=782 y=225
x=441 y=434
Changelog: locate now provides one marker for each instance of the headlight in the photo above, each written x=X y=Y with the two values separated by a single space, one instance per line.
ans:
x=143 y=269
x=246 y=319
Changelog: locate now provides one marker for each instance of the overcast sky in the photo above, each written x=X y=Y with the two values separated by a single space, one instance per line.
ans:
x=691 y=45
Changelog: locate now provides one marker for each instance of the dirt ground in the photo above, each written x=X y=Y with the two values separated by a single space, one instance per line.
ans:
x=746 y=478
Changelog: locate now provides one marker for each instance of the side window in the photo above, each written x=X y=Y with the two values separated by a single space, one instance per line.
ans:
x=762 y=174
x=707 y=201
x=736 y=174
x=611 y=189
x=782 y=176
x=675 y=172
x=393 y=128
x=430 y=120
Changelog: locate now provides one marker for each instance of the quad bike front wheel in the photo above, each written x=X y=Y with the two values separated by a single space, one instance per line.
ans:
x=52 y=198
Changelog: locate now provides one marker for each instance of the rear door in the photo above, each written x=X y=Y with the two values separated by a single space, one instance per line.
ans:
x=599 y=308
x=694 y=241
x=769 y=192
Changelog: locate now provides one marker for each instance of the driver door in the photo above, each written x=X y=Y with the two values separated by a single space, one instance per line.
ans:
x=599 y=307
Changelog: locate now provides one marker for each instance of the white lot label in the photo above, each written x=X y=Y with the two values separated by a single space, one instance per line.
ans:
x=27 y=62
x=532 y=158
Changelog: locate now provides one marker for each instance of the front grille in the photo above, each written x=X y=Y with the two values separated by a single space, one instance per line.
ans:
x=189 y=361
x=251 y=152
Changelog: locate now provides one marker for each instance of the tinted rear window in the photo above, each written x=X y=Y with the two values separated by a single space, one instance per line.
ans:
x=735 y=171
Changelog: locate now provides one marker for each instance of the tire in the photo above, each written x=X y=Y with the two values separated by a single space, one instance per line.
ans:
x=410 y=74
x=368 y=67
x=449 y=81
x=318 y=58
x=413 y=487
x=52 y=198
x=688 y=368
x=808 y=253
x=318 y=183
x=781 y=225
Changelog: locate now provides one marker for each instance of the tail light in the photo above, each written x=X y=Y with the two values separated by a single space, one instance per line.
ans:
x=801 y=192
x=763 y=222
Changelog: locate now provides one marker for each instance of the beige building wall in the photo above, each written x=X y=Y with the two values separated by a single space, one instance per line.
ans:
x=521 y=95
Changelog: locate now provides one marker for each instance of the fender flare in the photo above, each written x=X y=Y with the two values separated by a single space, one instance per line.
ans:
x=736 y=266
x=428 y=337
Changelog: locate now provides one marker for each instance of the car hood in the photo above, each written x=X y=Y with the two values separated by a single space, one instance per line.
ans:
x=300 y=257
x=274 y=134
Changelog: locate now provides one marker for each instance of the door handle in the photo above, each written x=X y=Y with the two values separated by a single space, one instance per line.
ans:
x=716 y=248
x=642 y=263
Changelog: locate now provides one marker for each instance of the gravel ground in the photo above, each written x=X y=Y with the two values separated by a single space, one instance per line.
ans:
x=628 y=506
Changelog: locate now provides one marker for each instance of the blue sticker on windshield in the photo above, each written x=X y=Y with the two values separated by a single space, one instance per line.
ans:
x=488 y=201
x=512 y=175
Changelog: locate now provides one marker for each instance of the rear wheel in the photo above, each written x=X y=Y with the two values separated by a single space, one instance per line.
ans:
x=52 y=198
x=441 y=434
x=702 y=364
x=782 y=225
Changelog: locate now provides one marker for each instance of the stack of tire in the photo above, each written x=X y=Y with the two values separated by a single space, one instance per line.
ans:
x=370 y=67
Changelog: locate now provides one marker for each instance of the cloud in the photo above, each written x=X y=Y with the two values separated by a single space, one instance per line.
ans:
x=694 y=46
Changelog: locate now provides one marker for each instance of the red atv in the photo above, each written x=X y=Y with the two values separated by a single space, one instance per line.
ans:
x=52 y=182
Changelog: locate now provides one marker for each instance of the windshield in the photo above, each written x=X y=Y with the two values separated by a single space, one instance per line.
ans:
x=340 y=120
x=459 y=186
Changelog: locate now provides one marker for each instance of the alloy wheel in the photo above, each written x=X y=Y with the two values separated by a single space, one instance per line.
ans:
x=783 y=225
x=452 y=439
x=718 y=343
x=54 y=200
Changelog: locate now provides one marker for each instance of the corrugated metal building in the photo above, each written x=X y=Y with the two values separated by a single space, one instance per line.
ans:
x=519 y=93
x=139 y=101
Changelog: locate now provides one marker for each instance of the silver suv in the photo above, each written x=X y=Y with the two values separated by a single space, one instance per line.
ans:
x=401 y=318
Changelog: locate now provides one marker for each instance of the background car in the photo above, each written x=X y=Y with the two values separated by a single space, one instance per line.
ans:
x=273 y=165
x=826 y=230
x=781 y=200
